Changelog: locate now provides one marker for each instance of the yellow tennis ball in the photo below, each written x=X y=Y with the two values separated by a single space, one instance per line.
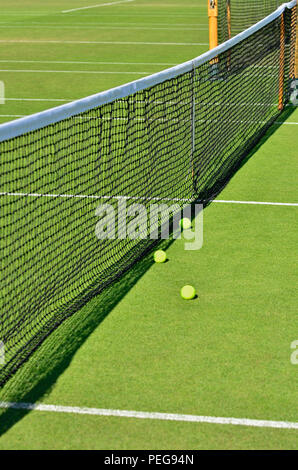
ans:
x=185 y=223
x=160 y=256
x=188 y=292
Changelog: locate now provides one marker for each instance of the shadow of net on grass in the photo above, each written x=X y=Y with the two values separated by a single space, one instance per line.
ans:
x=39 y=373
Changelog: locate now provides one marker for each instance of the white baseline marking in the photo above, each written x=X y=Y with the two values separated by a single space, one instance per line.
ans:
x=120 y=119
x=97 y=6
x=161 y=15
x=38 y=99
x=27 y=41
x=90 y=196
x=12 y=115
x=148 y=415
x=156 y=101
x=74 y=71
x=35 y=13
x=258 y=203
x=80 y=62
x=103 y=24
x=288 y=123
x=106 y=24
x=87 y=196
x=96 y=26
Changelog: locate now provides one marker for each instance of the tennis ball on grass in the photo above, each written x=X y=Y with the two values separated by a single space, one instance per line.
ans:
x=188 y=292
x=160 y=256
x=185 y=223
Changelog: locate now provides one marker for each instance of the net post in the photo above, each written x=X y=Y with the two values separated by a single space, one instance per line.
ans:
x=296 y=48
x=213 y=34
x=213 y=23
x=294 y=45
x=281 y=63
x=229 y=19
x=229 y=29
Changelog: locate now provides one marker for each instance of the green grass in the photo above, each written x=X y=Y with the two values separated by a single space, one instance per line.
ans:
x=138 y=345
x=53 y=25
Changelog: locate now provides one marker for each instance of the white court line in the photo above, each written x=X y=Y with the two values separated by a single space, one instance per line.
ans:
x=135 y=198
x=74 y=71
x=87 y=196
x=152 y=415
x=113 y=24
x=96 y=26
x=39 y=99
x=137 y=15
x=288 y=123
x=258 y=203
x=107 y=14
x=157 y=101
x=24 y=115
x=35 y=13
x=97 y=6
x=28 y=41
x=79 y=62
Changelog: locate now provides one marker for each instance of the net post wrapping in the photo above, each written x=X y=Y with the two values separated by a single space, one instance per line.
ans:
x=213 y=23
x=281 y=63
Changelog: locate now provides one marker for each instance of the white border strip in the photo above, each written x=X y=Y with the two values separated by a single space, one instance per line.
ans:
x=147 y=415
x=97 y=6
x=125 y=43
x=258 y=203
x=100 y=72
x=75 y=26
x=141 y=198
x=81 y=62
x=91 y=196
x=39 y=120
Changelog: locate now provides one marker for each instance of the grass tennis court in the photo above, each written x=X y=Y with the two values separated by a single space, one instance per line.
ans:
x=138 y=346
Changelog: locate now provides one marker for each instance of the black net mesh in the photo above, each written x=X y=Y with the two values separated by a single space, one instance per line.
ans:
x=180 y=139
x=243 y=14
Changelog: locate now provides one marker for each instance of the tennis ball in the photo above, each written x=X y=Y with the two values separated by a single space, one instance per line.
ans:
x=185 y=223
x=188 y=292
x=160 y=256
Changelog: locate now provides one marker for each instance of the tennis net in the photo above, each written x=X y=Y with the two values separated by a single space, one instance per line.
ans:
x=178 y=135
x=234 y=16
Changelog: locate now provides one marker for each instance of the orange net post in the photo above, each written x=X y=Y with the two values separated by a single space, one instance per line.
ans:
x=281 y=63
x=296 y=53
x=294 y=43
x=229 y=29
x=229 y=18
x=213 y=18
